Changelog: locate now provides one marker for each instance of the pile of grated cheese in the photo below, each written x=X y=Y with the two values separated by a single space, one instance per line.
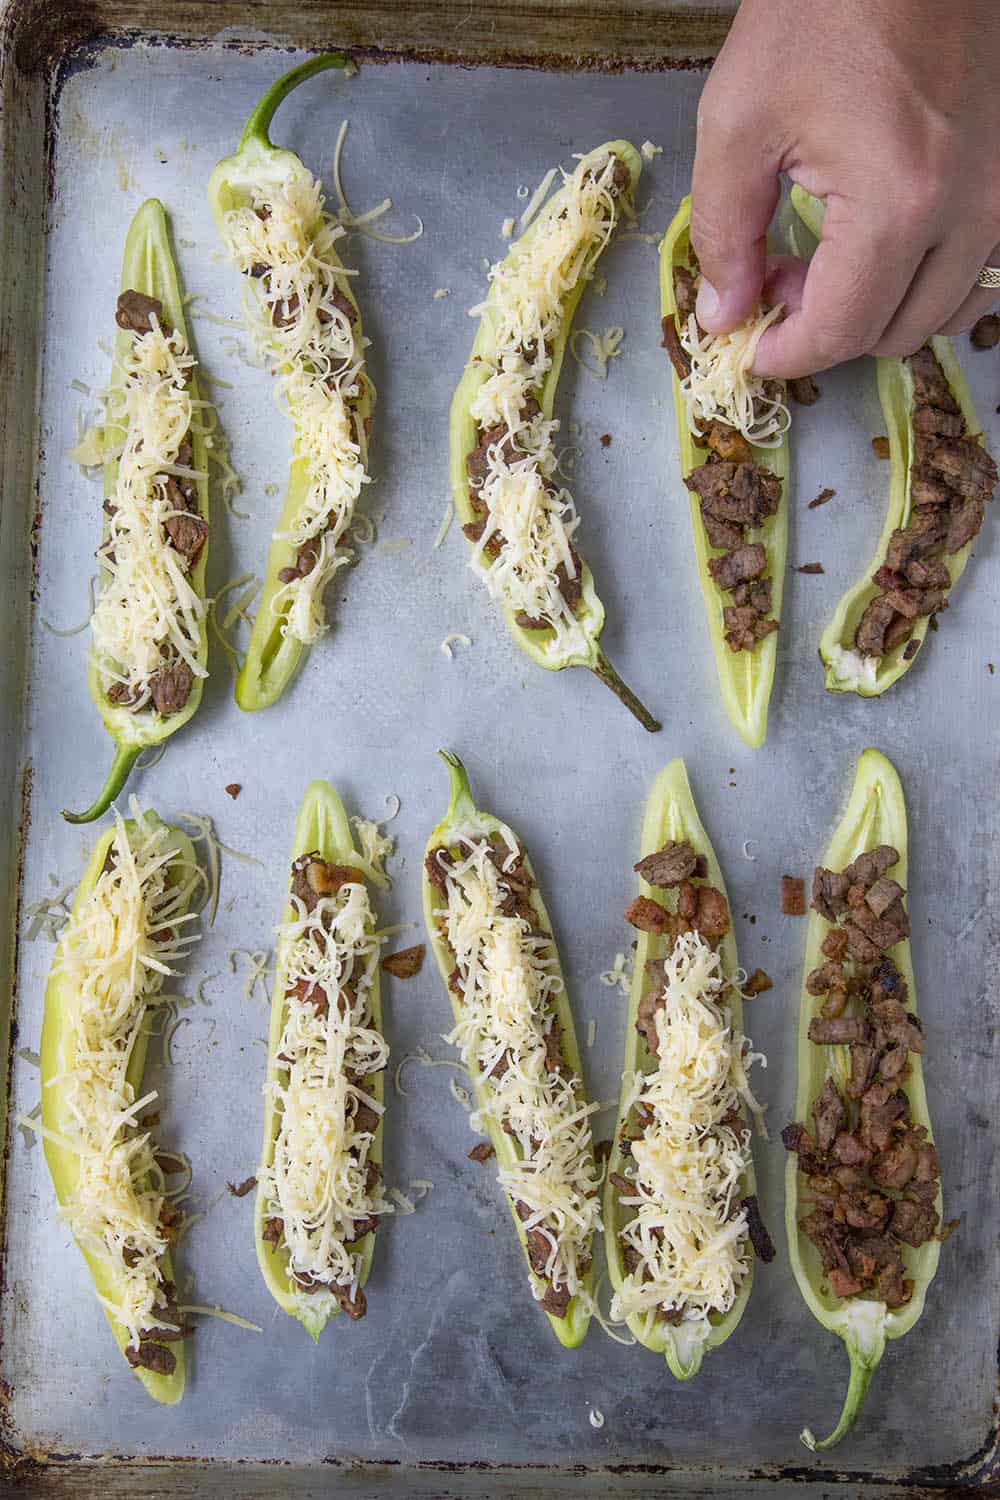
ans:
x=317 y=1182
x=721 y=387
x=147 y=610
x=688 y=1167
x=534 y=514
x=113 y=957
x=509 y=978
x=318 y=361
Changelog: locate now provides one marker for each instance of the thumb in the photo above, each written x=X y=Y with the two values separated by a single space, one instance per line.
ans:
x=734 y=192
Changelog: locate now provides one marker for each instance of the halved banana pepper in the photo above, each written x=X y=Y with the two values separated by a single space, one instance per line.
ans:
x=148 y=267
x=325 y=862
x=278 y=641
x=671 y=817
x=462 y=827
x=848 y=668
x=60 y=1038
x=538 y=642
x=745 y=676
x=875 y=820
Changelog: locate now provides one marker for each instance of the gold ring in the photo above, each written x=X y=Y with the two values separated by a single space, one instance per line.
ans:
x=989 y=277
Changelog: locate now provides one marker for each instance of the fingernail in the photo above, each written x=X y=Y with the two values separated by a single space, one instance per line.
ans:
x=707 y=305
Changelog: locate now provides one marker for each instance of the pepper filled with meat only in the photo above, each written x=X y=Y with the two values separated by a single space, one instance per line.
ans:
x=942 y=479
x=862 y=1186
x=149 y=642
x=508 y=493
x=319 y=1184
x=129 y=928
x=732 y=436
x=494 y=946
x=306 y=323
x=682 y=1225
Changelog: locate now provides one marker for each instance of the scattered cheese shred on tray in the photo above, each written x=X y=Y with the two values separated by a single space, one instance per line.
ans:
x=321 y=1181
x=721 y=387
x=509 y=980
x=120 y=945
x=456 y=638
x=376 y=846
x=649 y=151
x=601 y=349
x=686 y=1229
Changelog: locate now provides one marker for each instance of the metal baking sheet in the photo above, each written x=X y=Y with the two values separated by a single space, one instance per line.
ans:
x=453 y=1367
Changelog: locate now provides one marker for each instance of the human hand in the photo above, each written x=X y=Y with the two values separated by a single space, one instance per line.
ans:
x=888 y=109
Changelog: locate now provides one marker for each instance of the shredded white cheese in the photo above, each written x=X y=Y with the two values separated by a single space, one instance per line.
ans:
x=301 y=319
x=721 y=387
x=456 y=638
x=687 y=1167
x=509 y=983
x=147 y=610
x=852 y=668
x=318 y=1180
x=113 y=957
x=601 y=349
x=649 y=151
x=526 y=508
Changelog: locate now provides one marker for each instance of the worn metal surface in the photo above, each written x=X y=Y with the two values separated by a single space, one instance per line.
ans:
x=453 y=1365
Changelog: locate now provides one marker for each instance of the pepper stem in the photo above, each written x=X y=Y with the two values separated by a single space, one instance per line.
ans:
x=121 y=768
x=259 y=123
x=862 y=1371
x=605 y=672
x=460 y=801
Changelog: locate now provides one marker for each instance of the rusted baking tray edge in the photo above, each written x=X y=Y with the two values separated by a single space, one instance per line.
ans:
x=70 y=1475
x=39 y=41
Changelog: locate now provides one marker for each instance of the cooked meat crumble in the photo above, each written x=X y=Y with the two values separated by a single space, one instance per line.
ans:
x=951 y=479
x=736 y=495
x=872 y=1173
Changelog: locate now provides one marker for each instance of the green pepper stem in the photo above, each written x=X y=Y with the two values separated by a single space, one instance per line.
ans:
x=862 y=1371
x=458 y=778
x=121 y=768
x=259 y=123
x=605 y=672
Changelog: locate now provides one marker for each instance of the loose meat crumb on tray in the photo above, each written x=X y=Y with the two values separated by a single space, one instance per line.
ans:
x=482 y=1152
x=406 y=963
x=821 y=499
x=813 y=567
x=985 y=334
x=233 y=789
x=240 y=1189
x=804 y=390
x=880 y=447
x=793 y=896
x=758 y=983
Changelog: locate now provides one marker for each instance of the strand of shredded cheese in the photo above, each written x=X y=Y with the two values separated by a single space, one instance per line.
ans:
x=720 y=386
x=509 y=979
x=146 y=608
x=318 y=362
x=317 y=1181
x=112 y=960
x=687 y=1229
x=536 y=517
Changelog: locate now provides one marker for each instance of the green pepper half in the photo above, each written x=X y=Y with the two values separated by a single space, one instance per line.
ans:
x=670 y=814
x=322 y=827
x=745 y=677
x=274 y=655
x=463 y=812
x=895 y=392
x=463 y=440
x=876 y=814
x=149 y=267
x=58 y=1047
